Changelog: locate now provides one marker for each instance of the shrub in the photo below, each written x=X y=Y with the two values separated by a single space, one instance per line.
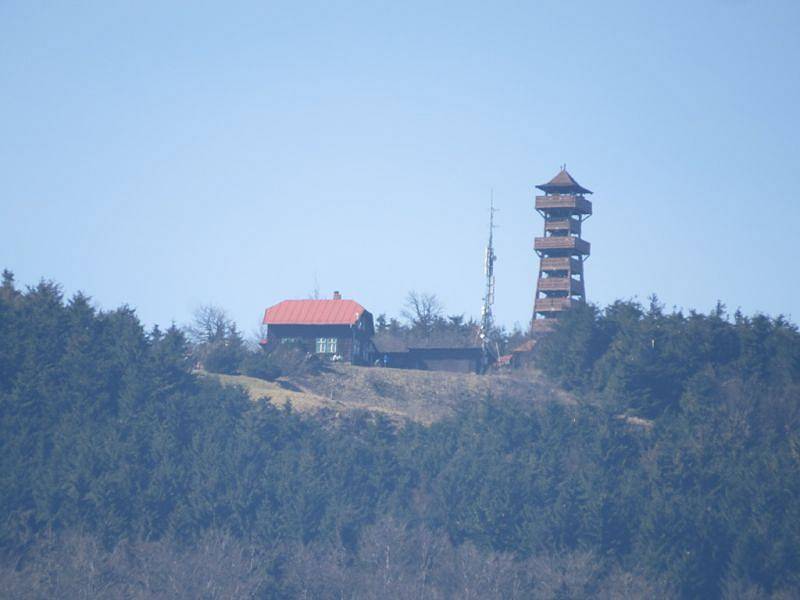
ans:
x=293 y=359
x=222 y=357
x=259 y=364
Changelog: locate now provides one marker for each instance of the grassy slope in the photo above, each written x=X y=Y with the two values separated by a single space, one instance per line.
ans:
x=424 y=396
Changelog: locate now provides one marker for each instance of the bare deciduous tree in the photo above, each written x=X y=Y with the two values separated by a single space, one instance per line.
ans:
x=423 y=311
x=209 y=324
x=217 y=344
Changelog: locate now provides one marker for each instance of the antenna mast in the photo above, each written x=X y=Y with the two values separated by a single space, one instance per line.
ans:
x=487 y=319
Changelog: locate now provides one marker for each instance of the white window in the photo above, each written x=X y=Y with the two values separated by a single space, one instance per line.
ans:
x=326 y=345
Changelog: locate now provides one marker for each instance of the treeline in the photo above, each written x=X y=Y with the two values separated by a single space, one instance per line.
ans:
x=677 y=476
x=391 y=561
x=645 y=361
x=424 y=323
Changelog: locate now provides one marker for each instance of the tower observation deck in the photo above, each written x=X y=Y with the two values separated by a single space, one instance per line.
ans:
x=561 y=249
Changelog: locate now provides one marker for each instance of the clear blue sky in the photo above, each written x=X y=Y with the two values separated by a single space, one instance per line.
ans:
x=169 y=155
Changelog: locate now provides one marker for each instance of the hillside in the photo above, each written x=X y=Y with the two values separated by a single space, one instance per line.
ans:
x=673 y=473
x=422 y=396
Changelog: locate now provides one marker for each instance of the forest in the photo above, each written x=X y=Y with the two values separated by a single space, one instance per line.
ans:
x=676 y=473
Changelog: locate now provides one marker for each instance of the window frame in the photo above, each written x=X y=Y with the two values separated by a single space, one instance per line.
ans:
x=326 y=345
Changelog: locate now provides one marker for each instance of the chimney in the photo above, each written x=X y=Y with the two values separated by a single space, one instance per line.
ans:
x=337 y=296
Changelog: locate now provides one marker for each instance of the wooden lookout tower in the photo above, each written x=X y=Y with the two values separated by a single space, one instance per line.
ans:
x=561 y=249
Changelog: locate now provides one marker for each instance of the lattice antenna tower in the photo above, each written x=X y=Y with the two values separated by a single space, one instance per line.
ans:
x=487 y=318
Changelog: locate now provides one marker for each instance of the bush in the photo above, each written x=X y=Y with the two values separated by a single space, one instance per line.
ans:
x=293 y=359
x=285 y=359
x=217 y=344
x=258 y=364
x=222 y=357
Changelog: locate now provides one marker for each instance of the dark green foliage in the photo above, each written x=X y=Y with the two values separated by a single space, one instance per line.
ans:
x=640 y=361
x=224 y=357
x=105 y=431
x=569 y=354
x=258 y=364
x=217 y=345
x=293 y=360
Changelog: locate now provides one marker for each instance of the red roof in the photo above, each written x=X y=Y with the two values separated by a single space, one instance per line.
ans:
x=314 y=312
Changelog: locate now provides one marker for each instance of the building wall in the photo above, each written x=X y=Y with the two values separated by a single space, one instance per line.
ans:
x=346 y=339
x=456 y=360
x=453 y=365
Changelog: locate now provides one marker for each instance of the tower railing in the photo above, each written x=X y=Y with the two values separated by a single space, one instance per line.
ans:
x=568 y=243
x=573 y=202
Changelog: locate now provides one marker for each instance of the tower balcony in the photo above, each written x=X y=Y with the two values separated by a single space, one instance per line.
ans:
x=570 y=203
x=563 y=245
x=561 y=284
x=560 y=263
x=569 y=224
x=549 y=305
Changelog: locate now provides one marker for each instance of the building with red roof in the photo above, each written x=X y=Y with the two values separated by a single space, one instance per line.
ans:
x=336 y=328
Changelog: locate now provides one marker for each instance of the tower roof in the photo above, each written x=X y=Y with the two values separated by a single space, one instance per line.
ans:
x=563 y=183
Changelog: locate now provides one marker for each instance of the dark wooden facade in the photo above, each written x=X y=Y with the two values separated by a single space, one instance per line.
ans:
x=336 y=329
x=454 y=360
x=352 y=344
